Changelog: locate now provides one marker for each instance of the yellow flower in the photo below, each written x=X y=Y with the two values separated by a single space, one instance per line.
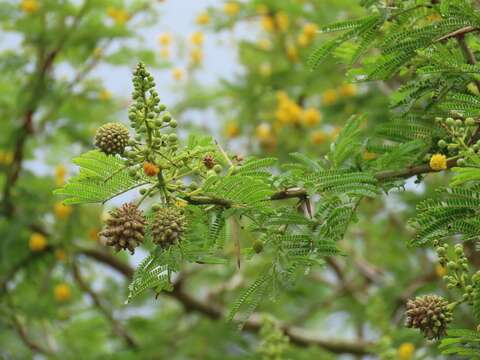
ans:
x=264 y=44
x=62 y=292
x=6 y=157
x=165 y=53
x=180 y=203
x=267 y=23
x=60 y=172
x=120 y=16
x=104 y=95
x=438 y=162
x=282 y=21
x=440 y=270
x=434 y=17
x=60 y=255
x=196 y=56
x=62 y=211
x=231 y=8
x=292 y=53
x=177 y=74
x=232 y=129
x=318 y=137
x=197 y=38
x=311 y=117
x=405 y=351
x=310 y=30
x=367 y=155
x=303 y=40
x=329 y=97
x=348 y=90
x=37 y=242
x=203 y=18
x=265 y=69
x=29 y=6
x=263 y=131
x=165 y=39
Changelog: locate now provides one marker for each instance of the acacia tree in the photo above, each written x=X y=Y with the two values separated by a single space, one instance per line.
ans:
x=203 y=212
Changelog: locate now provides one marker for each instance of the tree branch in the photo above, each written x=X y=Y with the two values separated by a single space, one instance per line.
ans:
x=117 y=327
x=298 y=336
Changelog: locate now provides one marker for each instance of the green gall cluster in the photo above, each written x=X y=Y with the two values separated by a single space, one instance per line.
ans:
x=112 y=138
x=168 y=226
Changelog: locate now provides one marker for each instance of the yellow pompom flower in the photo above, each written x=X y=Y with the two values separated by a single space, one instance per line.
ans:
x=203 y=19
x=62 y=211
x=104 y=95
x=282 y=20
x=265 y=44
x=231 y=8
x=311 y=117
x=329 y=96
x=60 y=255
x=440 y=270
x=62 y=292
x=310 y=30
x=438 y=162
x=197 y=38
x=405 y=351
x=367 y=155
x=60 y=172
x=165 y=53
x=37 y=242
x=267 y=23
x=29 y=6
x=265 y=69
x=6 y=157
x=434 y=17
x=120 y=16
x=165 y=39
x=292 y=53
x=196 y=56
x=232 y=129
x=263 y=131
x=303 y=40
x=177 y=74
x=318 y=137
x=348 y=90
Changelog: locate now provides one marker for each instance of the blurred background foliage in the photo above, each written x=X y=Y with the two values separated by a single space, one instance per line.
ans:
x=62 y=293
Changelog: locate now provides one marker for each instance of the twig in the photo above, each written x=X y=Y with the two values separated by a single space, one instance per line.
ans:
x=297 y=336
x=117 y=327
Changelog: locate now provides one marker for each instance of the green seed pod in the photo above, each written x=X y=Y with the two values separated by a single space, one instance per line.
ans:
x=173 y=123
